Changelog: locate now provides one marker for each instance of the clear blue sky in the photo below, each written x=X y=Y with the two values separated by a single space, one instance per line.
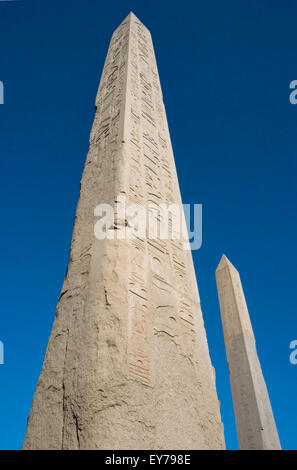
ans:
x=225 y=70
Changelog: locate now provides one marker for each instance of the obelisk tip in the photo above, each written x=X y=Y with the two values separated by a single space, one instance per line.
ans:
x=224 y=262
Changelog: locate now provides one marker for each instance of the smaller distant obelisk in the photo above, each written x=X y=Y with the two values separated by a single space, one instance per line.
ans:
x=255 y=423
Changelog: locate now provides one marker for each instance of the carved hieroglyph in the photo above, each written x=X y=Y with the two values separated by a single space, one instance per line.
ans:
x=127 y=364
x=255 y=423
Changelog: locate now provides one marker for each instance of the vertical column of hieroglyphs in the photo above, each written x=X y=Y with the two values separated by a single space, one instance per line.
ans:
x=148 y=257
x=139 y=312
x=183 y=281
x=175 y=317
x=151 y=183
x=110 y=96
x=254 y=417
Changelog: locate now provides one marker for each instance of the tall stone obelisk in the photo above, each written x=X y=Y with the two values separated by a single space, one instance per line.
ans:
x=255 y=423
x=127 y=364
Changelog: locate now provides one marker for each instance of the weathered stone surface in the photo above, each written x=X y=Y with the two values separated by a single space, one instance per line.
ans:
x=255 y=424
x=127 y=364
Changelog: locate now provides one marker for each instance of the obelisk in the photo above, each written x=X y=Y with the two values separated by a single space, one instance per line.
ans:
x=256 y=429
x=127 y=364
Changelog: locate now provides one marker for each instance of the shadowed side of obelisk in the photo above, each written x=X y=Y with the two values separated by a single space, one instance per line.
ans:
x=64 y=394
x=255 y=423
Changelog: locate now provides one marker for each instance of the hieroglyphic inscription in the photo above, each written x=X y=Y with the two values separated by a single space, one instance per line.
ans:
x=139 y=361
x=154 y=179
x=131 y=93
x=105 y=128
